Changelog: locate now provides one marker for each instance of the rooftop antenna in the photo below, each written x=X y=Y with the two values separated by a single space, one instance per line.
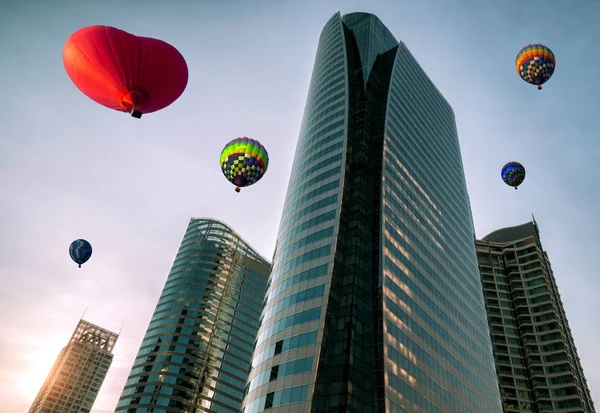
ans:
x=122 y=325
x=535 y=223
x=84 y=311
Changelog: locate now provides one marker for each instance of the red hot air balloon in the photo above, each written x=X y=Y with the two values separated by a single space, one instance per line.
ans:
x=125 y=72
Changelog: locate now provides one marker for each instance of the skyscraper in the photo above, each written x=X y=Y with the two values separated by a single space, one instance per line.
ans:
x=374 y=302
x=78 y=372
x=196 y=353
x=536 y=358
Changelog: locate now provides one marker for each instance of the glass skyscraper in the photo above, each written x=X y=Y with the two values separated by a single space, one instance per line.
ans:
x=374 y=302
x=78 y=372
x=536 y=358
x=195 y=356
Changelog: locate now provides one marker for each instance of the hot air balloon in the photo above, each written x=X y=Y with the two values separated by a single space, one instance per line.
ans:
x=513 y=174
x=244 y=161
x=80 y=251
x=125 y=72
x=535 y=64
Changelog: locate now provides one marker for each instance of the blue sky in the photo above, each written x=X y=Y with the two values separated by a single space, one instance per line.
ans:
x=70 y=168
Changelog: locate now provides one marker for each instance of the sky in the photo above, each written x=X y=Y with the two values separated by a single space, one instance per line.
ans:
x=70 y=168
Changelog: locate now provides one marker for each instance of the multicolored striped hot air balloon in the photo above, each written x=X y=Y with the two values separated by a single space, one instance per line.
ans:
x=244 y=161
x=535 y=64
x=513 y=174
x=80 y=251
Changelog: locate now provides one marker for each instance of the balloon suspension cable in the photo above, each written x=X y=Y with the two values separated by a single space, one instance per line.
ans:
x=136 y=113
x=237 y=189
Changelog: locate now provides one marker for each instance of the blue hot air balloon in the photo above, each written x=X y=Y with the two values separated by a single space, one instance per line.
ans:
x=80 y=251
x=513 y=174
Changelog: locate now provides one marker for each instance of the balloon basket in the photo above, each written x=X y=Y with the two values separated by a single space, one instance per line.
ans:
x=540 y=87
x=237 y=189
x=136 y=113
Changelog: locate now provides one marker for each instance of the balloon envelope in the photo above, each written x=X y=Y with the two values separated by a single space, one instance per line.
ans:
x=244 y=161
x=535 y=64
x=513 y=174
x=124 y=72
x=80 y=251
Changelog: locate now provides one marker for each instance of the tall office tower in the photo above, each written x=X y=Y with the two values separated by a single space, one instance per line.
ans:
x=195 y=356
x=536 y=357
x=78 y=372
x=374 y=302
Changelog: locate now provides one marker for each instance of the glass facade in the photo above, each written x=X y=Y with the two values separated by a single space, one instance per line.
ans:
x=375 y=266
x=437 y=342
x=536 y=358
x=78 y=372
x=196 y=354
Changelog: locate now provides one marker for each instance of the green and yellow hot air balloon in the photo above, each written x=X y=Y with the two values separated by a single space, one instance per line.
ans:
x=244 y=161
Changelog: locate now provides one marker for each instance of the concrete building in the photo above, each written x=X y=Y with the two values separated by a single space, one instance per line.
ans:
x=78 y=372
x=536 y=358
